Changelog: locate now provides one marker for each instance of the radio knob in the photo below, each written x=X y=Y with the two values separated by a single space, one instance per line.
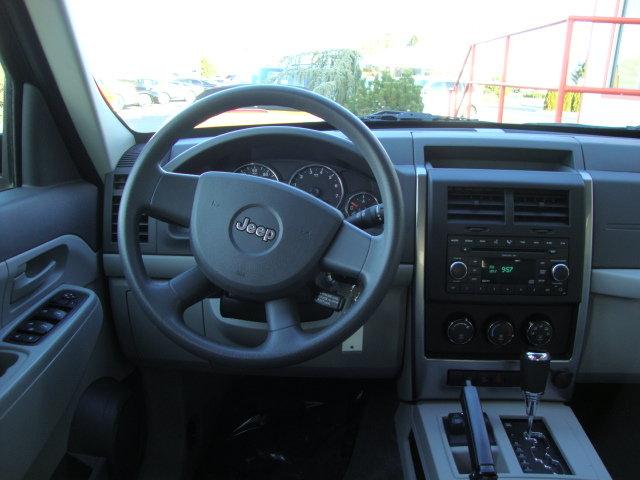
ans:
x=560 y=272
x=500 y=332
x=460 y=331
x=539 y=332
x=458 y=270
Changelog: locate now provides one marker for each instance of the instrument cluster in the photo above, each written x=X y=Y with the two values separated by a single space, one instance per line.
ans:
x=345 y=189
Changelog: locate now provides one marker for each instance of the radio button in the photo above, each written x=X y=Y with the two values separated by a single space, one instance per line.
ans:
x=453 y=287
x=560 y=272
x=475 y=262
x=482 y=289
x=558 y=290
x=521 y=290
x=466 y=288
x=458 y=270
x=494 y=289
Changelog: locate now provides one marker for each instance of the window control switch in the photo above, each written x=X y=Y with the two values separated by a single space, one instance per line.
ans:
x=35 y=326
x=50 y=314
x=24 y=338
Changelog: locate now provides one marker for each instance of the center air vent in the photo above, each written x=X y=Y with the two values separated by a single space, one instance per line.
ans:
x=475 y=204
x=541 y=206
x=143 y=225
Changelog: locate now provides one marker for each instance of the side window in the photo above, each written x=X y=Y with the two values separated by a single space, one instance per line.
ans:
x=6 y=165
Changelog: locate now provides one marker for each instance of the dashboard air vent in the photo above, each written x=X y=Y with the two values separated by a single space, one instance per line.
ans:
x=474 y=204
x=541 y=206
x=130 y=156
x=143 y=225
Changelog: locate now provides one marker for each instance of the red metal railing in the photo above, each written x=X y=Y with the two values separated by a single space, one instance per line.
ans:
x=562 y=88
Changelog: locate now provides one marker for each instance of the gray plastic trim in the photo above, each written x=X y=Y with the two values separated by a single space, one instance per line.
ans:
x=75 y=264
x=36 y=389
x=437 y=457
x=624 y=283
x=168 y=266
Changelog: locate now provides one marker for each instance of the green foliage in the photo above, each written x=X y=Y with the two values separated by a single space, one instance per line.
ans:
x=578 y=73
x=207 y=69
x=388 y=93
x=572 y=101
x=333 y=73
x=336 y=74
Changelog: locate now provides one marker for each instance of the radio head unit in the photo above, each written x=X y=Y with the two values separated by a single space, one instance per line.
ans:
x=507 y=265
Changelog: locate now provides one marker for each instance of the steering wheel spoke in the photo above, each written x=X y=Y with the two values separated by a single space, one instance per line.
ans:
x=172 y=200
x=183 y=290
x=348 y=253
x=283 y=318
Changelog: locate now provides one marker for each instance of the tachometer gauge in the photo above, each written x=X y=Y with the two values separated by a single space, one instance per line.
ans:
x=257 y=170
x=359 y=201
x=321 y=182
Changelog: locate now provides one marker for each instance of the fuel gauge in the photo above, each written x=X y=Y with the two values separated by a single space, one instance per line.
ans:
x=359 y=201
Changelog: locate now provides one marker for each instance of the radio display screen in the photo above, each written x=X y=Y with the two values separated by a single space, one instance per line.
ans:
x=507 y=271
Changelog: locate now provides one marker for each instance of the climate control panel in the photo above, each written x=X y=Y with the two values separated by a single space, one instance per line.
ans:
x=498 y=331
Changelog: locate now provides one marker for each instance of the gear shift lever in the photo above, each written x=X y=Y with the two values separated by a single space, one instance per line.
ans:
x=534 y=369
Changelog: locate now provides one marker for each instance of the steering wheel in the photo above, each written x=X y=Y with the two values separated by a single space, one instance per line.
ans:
x=257 y=238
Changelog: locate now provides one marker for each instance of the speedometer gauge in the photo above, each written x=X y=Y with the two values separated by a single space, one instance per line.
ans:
x=257 y=170
x=359 y=201
x=321 y=182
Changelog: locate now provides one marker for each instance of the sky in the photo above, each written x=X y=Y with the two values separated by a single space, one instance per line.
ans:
x=129 y=37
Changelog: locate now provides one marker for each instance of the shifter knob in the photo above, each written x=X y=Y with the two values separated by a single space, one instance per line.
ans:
x=534 y=371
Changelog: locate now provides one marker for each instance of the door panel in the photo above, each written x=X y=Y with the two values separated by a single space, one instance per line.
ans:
x=37 y=382
x=31 y=275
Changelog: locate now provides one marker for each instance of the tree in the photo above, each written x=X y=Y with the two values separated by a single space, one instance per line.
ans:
x=207 y=69
x=388 y=93
x=336 y=74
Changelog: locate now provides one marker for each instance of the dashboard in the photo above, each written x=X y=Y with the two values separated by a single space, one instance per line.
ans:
x=503 y=229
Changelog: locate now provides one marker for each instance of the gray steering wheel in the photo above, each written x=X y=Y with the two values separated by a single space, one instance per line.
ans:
x=256 y=238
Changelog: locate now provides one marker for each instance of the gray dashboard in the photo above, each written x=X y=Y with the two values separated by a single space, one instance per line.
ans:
x=611 y=165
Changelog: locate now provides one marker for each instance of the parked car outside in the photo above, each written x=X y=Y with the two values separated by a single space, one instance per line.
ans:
x=196 y=85
x=122 y=93
x=163 y=92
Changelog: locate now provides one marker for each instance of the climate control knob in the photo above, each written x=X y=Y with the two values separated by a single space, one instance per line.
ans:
x=458 y=270
x=500 y=332
x=460 y=331
x=560 y=272
x=539 y=332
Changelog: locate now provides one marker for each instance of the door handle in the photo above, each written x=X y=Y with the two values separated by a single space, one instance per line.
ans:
x=25 y=284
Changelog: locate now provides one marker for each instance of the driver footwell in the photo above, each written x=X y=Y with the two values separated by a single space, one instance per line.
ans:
x=304 y=430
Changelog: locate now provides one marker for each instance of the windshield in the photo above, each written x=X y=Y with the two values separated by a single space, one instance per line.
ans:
x=485 y=60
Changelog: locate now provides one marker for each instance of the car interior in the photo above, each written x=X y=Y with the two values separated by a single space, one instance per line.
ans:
x=349 y=298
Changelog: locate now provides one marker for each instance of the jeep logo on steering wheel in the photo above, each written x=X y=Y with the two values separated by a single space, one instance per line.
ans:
x=265 y=233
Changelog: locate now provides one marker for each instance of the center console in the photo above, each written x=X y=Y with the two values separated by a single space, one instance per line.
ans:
x=504 y=272
x=503 y=261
